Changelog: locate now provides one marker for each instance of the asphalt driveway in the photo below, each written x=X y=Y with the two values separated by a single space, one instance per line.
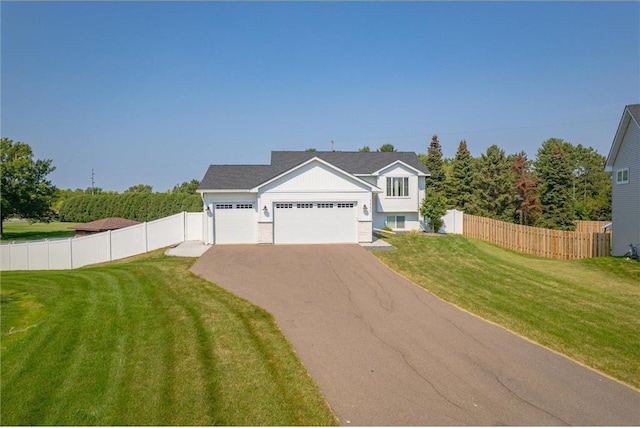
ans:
x=385 y=352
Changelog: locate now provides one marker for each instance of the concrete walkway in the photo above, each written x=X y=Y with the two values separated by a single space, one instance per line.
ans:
x=385 y=352
x=188 y=249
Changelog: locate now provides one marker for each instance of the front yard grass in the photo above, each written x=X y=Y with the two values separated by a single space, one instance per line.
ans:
x=145 y=342
x=588 y=310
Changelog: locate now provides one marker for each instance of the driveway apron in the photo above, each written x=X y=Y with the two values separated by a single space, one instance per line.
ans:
x=386 y=352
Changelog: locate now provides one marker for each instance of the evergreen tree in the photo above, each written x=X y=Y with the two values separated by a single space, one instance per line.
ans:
x=461 y=183
x=494 y=185
x=434 y=164
x=525 y=198
x=554 y=170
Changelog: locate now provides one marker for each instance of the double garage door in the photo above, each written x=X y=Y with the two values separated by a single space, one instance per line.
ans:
x=293 y=223
x=315 y=223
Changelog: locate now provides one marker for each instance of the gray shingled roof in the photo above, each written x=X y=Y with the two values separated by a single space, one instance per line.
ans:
x=634 y=110
x=228 y=177
x=352 y=162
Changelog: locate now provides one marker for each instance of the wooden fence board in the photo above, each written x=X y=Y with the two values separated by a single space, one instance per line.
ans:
x=556 y=244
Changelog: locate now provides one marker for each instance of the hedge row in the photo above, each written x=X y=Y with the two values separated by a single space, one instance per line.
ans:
x=134 y=206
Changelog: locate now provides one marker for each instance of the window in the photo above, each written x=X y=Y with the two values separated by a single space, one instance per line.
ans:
x=325 y=205
x=622 y=176
x=397 y=186
x=284 y=205
x=304 y=205
x=244 y=206
x=224 y=206
x=395 y=221
x=346 y=205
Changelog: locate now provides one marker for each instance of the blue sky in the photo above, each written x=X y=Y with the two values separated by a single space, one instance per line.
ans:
x=154 y=92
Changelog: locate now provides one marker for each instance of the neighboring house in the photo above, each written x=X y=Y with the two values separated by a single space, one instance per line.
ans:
x=624 y=163
x=103 y=225
x=313 y=197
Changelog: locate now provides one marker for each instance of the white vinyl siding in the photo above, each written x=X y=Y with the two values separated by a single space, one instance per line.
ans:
x=626 y=194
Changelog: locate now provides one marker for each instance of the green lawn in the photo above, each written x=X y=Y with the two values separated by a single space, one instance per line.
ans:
x=588 y=310
x=25 y=231
x=145 y=342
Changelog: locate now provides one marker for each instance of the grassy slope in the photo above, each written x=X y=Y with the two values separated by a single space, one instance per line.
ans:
x=588 y=310
x=145 y=342
x=25 y=231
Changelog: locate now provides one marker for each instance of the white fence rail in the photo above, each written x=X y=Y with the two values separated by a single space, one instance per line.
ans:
x=102 y=247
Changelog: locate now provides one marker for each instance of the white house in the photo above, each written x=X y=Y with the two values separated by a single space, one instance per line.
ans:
x=624 y=163
x=313 y=197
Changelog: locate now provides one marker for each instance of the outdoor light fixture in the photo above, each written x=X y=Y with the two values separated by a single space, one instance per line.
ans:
x=265 y=209
x=208 y=209
x=364 y=207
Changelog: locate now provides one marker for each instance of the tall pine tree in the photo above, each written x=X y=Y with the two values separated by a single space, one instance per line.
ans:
x=461 y=183
x=494 y=185
x=434 y=164
x=555 y=171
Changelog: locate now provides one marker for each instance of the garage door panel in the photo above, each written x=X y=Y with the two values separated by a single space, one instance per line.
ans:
x=315 y=223
x=235 y=223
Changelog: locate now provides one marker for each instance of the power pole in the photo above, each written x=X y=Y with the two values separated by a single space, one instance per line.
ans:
x=92 y=181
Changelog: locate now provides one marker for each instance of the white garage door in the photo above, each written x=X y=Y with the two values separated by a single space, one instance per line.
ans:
x=235 y=223
x=315 y=223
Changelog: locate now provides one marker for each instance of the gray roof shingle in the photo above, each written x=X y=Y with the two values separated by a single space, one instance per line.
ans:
x=242 y=177
x=634 y=111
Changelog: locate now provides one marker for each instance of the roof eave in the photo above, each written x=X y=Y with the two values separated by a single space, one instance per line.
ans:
x=617 y=140
x=203 y=191
x=372 y=187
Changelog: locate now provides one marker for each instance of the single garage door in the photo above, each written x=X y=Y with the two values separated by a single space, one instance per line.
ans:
x=235 y=223
x=315 y=223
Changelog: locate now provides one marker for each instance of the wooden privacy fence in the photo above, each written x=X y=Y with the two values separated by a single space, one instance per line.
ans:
x=556 y=244
x=591 y=226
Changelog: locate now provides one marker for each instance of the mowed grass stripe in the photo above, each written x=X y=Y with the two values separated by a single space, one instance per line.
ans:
x=585 y=309
x=145 y=342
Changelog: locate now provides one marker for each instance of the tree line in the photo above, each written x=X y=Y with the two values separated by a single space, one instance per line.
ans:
x=564 y=183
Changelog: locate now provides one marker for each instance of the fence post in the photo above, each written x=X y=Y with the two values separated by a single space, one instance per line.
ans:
x=109 y=245
x=184 y=226
x=145 y=237
x=71 y=253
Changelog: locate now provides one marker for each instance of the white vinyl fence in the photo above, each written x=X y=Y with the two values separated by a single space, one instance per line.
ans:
x=102 y=247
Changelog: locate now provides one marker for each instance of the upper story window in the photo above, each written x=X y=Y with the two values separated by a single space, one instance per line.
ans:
x=622 y=176
x=397 y=186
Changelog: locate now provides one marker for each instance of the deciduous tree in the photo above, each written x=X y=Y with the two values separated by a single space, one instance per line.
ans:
x=387 y=148
x=525 y=198
x=140 y=188
x=433 y=208
x=25 y=191
x=186 y=187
